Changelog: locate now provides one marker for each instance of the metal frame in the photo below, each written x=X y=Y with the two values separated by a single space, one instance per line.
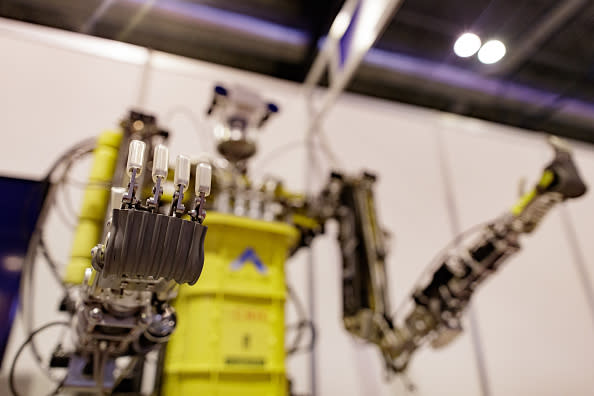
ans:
x=372 y=17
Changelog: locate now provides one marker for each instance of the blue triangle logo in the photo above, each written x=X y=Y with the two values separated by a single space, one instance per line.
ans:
x=249 y=256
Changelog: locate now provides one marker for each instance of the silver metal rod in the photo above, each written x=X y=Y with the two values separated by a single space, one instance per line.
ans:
x=311 y=290
x=454 y=220
x=144 y=81
x=579 y=260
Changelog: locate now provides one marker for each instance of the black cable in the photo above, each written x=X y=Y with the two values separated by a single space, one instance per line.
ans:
x=66 y=210
x=29 y=265
x=409 y=387
x=64 y=217
x=301 y=315
x=51 y=263
x=302 y=324
x=61 y=185
x=83 y=185
x=196 y=121
x=84 y=144
x=68 y=159
x=29 y=339
x=58 y=388
x=310 y=346
x=298 y=304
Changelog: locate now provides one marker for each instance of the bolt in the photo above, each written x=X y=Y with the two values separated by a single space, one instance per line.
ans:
x=96 y=314
x=97 y=257
x=144 y=318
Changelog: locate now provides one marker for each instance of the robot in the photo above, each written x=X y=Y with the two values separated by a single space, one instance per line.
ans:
x=225 y=334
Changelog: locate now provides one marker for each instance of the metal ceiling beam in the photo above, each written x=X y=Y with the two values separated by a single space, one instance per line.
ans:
x=210 y=30
x=428 y=22
x=520 y=53
x=89 y=26
x=323 y=15
x=453 y=85
x=355 y=29
x=136 y=19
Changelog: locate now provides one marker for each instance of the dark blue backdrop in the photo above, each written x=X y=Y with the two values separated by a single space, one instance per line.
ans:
x=21 y=201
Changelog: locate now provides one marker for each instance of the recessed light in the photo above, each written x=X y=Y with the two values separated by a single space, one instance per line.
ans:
x=491 y=52
x=467 y=45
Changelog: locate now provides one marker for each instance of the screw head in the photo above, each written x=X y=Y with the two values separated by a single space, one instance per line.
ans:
x=96 y=314
x=97 y=257
x=144 y=317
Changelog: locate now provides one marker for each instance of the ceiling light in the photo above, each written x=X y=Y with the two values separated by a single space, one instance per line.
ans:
x=491 y=52
x=467 y=45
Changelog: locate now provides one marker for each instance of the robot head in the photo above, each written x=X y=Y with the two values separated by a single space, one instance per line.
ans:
x=238 y=112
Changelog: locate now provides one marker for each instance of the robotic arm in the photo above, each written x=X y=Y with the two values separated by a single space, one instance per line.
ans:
x=123 y=306
x=438 y=305
x=366 y=307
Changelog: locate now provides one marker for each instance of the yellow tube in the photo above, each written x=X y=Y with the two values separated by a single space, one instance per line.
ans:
x=547 y=178
x=95 y=201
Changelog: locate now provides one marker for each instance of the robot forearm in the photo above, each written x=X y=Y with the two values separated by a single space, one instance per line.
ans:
x=439 y=304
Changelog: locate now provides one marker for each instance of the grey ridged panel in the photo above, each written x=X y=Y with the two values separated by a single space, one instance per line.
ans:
x=144 y=244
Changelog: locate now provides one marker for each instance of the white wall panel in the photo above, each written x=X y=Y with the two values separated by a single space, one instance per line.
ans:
x=54 y=96
x=533 y=317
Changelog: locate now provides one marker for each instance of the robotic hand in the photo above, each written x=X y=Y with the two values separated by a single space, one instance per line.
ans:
x=439 y=304
x=123 y=307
